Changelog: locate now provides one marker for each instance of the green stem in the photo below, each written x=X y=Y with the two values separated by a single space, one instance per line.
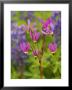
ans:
x=43 y=45
x=21 y=71
x=41 y=70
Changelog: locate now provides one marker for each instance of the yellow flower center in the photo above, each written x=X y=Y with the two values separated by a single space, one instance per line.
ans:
x=35 y=56
x=35 y=41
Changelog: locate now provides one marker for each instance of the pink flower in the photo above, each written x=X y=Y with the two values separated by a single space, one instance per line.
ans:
x=34 y=35
x=52 y=47
x=47 y=26
x=47 y=31
x=25 y=47
x=35 y=53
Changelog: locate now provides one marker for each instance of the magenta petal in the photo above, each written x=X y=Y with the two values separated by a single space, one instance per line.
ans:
x=34 y=35
x=38 y=35
x=48 y=31
x=31 y=34
x=35 y=53
x=22 y=46
x=25 y=46
x=44 y=32
x=28 y=46
x=52 y=47
x=48 y=22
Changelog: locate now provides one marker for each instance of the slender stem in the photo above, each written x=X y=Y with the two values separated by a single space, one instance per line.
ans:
x=40 y=60
x=21 y=71
x=43 y=45
x=41 y=69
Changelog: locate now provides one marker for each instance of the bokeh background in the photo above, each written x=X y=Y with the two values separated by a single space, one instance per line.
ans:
x=26 y=66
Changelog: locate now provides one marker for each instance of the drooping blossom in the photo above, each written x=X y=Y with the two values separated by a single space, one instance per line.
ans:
x=34 y=35
x=47 y=26
x=35 y=52
x=52 y=47
x=25 y=47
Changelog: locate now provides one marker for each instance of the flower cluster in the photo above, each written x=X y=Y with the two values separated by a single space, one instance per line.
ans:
x=31 y=40
x=52 y=47
x=34 y=35
x=36 y=53
x=25 y=46
x=49 y=27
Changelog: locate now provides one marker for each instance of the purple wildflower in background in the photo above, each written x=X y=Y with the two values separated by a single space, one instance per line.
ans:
x=56 y=17
x=22 y=27
x=25 y=47
x=52 y=47
x=55 y=14
x=57 y=32
x=35 y=35
x=17 y=55
x=27 y=15
x=17 y=36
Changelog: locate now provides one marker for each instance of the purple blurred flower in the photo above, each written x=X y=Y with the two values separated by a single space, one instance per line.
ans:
x=18 y=57
x=25 y=47
x=55 y=14
x=17 y=36
x=27 y=15
x=35 y=53
x=34 y=35
x=22 y=28
x=57 y=32
x=52 y=47
x=30 y=15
